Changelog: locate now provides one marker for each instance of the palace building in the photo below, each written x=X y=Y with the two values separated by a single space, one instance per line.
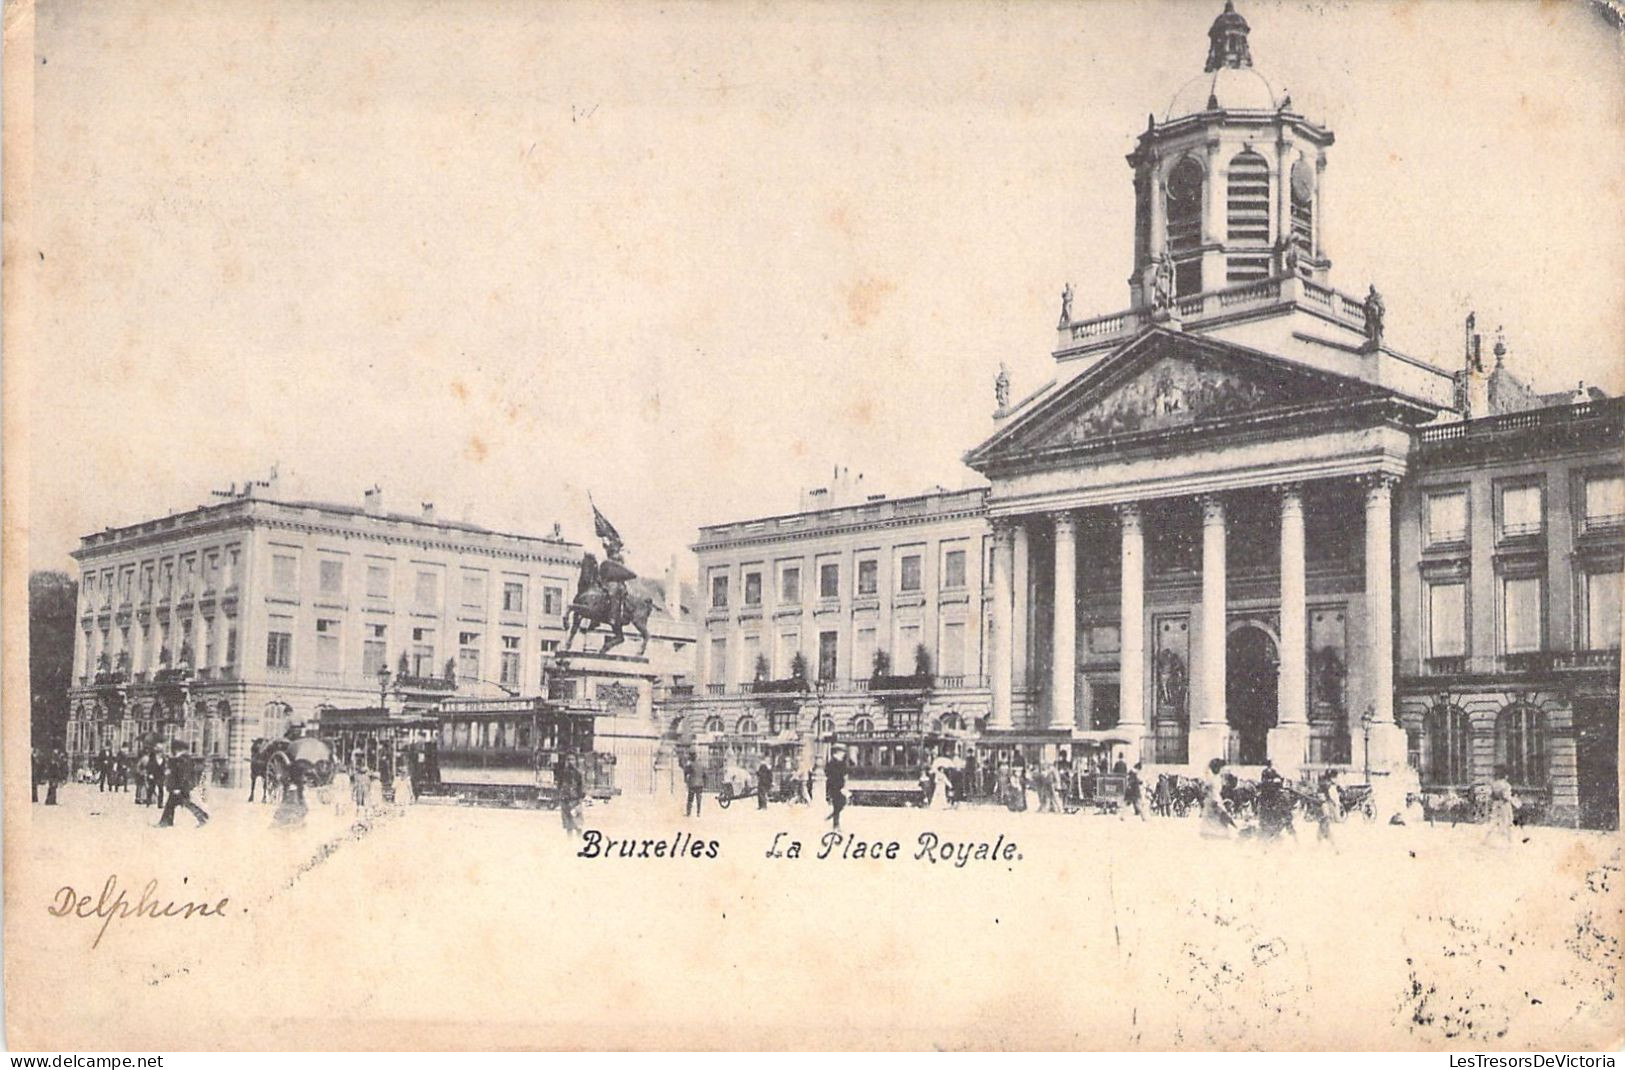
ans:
x=252 y=613
x=1239 y=523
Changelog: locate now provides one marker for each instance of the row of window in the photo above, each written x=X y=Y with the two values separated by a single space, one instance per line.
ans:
x=421 y=655
x=332 y=576
x=909 y=573
x=1521 y=615
x=148 y=648
x=182 y=576
x=953 y=653
x=1520 y=509
x=1444 y=752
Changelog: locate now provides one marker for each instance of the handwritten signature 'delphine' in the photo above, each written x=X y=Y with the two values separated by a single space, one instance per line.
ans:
x=114 y=904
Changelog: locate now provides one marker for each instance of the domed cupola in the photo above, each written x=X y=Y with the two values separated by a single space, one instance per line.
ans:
x=1228 y=185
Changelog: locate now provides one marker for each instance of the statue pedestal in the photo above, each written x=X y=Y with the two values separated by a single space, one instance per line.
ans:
x=1169 y=318
x=622 y=688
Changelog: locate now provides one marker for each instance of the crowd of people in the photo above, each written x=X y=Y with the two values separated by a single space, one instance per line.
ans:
x=155 y=778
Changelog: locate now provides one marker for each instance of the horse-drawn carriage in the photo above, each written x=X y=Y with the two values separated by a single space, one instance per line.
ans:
x=292 y=761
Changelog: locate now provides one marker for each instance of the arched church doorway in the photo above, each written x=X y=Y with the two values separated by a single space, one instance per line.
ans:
x=1250 y=692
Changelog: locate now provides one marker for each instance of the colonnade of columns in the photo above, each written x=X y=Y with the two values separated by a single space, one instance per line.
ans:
x=1209 y=724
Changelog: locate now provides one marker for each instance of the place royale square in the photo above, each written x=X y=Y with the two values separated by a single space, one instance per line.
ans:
x=1244 y=560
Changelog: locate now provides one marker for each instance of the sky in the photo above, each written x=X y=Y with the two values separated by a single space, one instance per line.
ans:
x=689 y=257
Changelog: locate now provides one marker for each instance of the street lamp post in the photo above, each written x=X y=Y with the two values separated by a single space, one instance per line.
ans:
x=1367 y=719
x=383 y=687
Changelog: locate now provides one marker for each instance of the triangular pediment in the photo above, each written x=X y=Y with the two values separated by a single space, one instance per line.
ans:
x=1164 y=383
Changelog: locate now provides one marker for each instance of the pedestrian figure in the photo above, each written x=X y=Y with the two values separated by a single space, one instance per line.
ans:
x=1503 y=808
x=1133 y=793
x=1216 y=818
x=182 y=781
x=1331 y=806
x=694 y=784
x=403 y=786
x=571 y=791
x=764 y=781
x=104 y=770
x=56 y=772
x=835 y=773
x=358 y=787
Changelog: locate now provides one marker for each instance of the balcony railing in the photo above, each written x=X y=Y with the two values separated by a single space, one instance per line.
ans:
x=1515 y=423
x=1534 y=662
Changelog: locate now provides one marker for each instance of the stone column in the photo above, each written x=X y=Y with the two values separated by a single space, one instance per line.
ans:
x=1210 y=735
x=1387 y=747
x=1289 y=739
x=1131 y=629
x=1001 y=632
x=1020 y=585
x=1064 y=678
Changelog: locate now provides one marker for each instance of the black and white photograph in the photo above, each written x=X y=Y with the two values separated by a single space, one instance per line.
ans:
x=797 y=526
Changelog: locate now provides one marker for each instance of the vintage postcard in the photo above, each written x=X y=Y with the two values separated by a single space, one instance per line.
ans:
x=1086 y=525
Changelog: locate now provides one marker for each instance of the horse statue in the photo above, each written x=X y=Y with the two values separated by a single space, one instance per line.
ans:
x=605 y=600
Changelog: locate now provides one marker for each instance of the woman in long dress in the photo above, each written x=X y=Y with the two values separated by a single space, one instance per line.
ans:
x=1503 y=808
x=1216 y=819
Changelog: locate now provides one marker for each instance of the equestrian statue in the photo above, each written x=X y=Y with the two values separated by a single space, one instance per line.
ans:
x=602 y=596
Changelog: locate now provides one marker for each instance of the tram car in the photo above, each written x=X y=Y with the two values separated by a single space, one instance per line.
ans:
x=507 y=752
x=887 y=766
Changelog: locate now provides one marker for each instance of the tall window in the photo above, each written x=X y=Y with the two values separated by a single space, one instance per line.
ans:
x=753 y=588
x=285 y=574
x=375 y=650
x=1447 y=736
x=209 y=636
x=510 y=661
x=863 y=650
x=1602 y=594
x=953 y=570
x=719 y=590
x=1303 y=208
x=1247 y=213
x=1184 y=221
x=279 y=646
x=211 y=570
x=327 y=647
x=1604 y=502
x=146 y=582
x=377 y=581
x=719 y=661
x=422 y=651
x=468 y=655
x=330 y=576
x=789 y=647
x=829 y=580
x=908 y=639
x=953 y=648
x=513 y=597
x=1447 y=518
x=827 y=645
x=1447 y=620
x=1520 y=745
x=552 y=601
x=868 y=577
x=234 y=557
x=473 y=590
x=908 y=573
x=1520 y=614
x=231 y=643
x=790 y=584
x=1521 y=512
x=427 y=592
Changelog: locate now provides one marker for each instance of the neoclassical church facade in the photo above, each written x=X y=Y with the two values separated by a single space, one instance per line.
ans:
x=1240 y=522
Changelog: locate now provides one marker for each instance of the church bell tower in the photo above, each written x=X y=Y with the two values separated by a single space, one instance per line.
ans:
x=1228 y=185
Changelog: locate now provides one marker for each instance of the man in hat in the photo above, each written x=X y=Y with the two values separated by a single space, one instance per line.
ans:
x=835 y=772
x=182 y=780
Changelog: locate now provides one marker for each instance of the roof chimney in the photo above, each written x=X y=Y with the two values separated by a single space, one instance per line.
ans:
x=373 y=500
x=428 y=510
